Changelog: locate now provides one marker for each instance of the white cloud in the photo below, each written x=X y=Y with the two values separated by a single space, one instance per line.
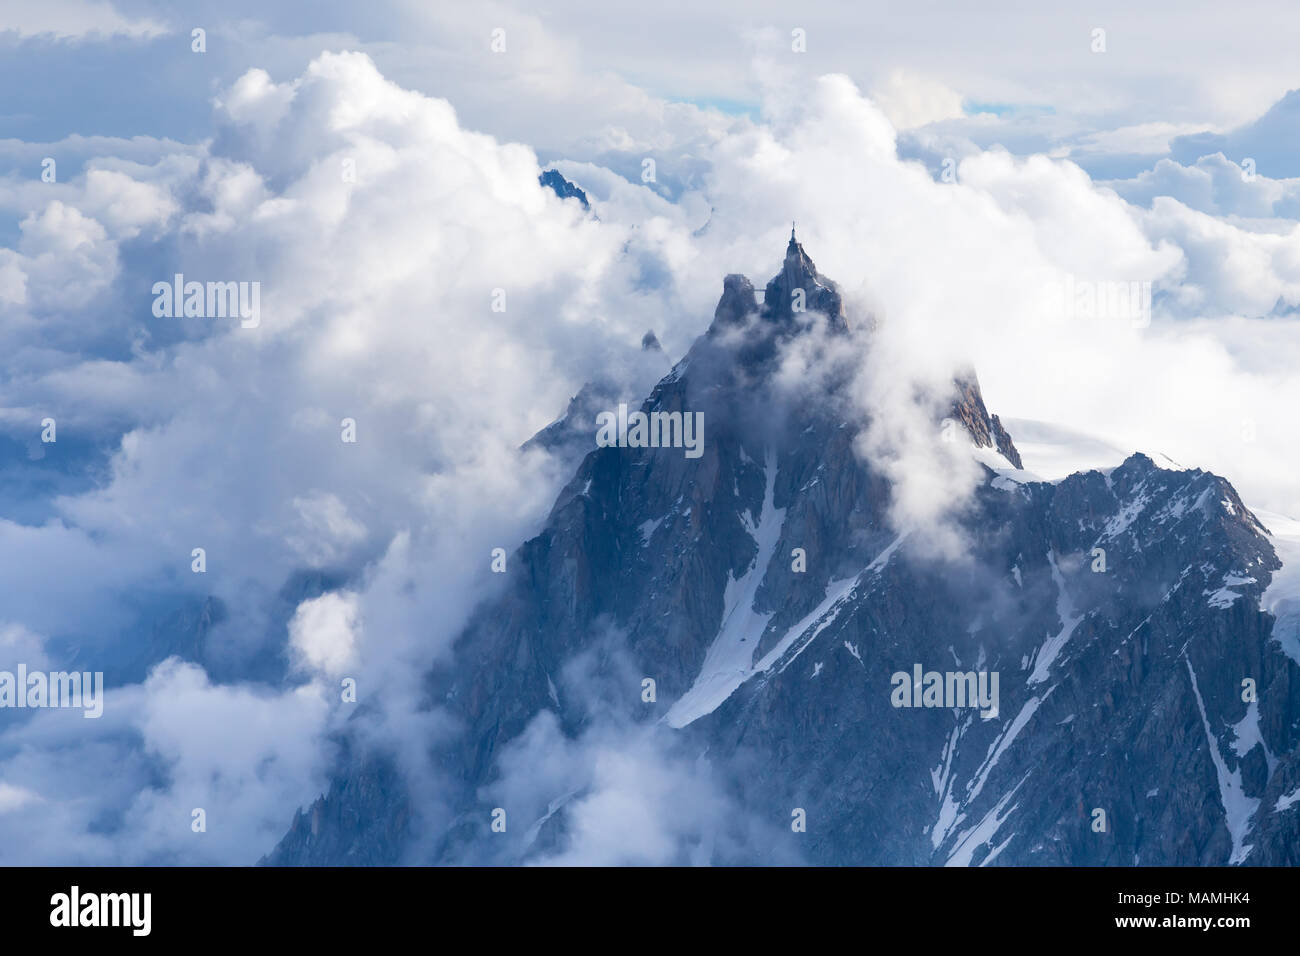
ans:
x=323 y=632
x=73 y=20
x=1147 y=138
x=1217 y=186
x=15 y=798
x=911 y=101
x=377 y=307
x=126 y=205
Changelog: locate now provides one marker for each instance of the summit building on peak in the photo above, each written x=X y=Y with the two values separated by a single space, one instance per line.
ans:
x=797 y=288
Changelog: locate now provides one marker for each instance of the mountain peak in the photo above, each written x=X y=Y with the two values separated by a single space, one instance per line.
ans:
x=794 y=251
x=797 y=288
x=553 y=180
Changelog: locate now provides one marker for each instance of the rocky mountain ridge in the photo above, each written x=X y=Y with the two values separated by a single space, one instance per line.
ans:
x=1146 y=714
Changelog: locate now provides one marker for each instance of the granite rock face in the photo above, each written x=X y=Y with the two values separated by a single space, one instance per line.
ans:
x=781 y=298
x=985 y=429
x=569 y=436
x=1144 y=712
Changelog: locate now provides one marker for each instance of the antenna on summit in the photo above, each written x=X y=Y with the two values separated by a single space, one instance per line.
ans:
x=792 y=230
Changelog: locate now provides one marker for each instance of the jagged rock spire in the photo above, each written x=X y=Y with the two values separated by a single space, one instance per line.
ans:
x=798 y=287
x=738 y=300
x=782 y=297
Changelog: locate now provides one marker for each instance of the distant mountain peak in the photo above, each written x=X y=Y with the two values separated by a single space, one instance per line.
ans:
x=551 y=179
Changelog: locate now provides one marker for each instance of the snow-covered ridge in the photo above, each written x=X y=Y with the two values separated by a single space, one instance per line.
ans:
x=1052 y=453
x=728 y=662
